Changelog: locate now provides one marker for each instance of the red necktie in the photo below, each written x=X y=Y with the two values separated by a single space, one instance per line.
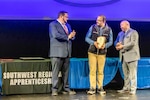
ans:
x=66 y=29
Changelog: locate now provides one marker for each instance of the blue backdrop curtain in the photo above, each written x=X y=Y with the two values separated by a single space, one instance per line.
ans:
x=79 y=72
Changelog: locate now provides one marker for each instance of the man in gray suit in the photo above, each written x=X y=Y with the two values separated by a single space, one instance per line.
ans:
x=61 y=34
x=127 y=42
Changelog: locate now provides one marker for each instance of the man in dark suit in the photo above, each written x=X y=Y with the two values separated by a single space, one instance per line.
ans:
x=127 y=42
x=61 y=34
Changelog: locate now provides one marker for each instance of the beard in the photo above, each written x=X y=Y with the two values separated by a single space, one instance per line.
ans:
x=65 y=21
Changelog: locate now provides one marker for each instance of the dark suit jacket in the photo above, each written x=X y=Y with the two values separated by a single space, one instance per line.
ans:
x=60 y=46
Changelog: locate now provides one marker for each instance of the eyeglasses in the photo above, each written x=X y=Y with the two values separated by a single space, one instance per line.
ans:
x=66 y=16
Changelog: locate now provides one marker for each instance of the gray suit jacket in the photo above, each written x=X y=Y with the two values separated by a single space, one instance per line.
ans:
x=130 y=40
x=60 y=46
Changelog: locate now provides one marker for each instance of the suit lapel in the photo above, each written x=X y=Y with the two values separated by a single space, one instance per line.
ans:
x=61 y=27
x=128 y=33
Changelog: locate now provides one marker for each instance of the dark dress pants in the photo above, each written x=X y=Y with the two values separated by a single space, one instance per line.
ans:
x=60 y=64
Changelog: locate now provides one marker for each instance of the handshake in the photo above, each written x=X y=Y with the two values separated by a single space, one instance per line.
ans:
x=119 y=46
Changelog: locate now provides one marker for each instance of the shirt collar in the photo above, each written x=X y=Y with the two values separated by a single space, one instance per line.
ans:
x=127 y=31
x=61 y=22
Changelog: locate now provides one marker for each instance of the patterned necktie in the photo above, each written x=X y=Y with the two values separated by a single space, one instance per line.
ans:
x=66 y=29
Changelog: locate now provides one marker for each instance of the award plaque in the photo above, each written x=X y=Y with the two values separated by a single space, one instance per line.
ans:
x=101 y=41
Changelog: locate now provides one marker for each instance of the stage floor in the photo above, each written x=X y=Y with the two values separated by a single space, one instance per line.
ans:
x=81 y=95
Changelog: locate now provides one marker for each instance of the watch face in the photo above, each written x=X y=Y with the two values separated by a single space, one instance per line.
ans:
x=87 y=3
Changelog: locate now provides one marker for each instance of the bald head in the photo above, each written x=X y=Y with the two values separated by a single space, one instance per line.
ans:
x=124 y=25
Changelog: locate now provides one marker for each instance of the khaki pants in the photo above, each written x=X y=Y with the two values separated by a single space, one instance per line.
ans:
x=96 y=66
